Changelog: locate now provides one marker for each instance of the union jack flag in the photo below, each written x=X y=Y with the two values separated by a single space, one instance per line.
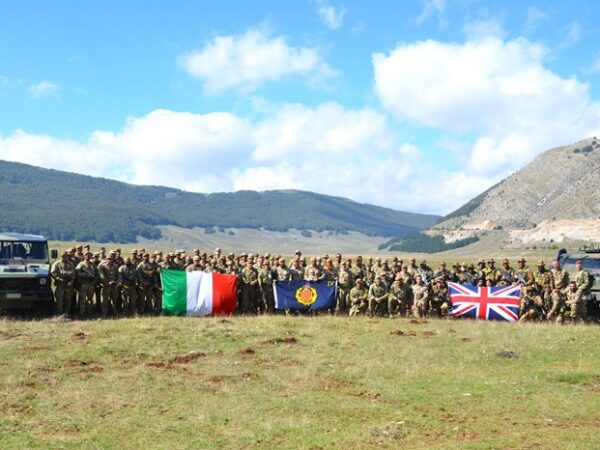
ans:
x=485 y=303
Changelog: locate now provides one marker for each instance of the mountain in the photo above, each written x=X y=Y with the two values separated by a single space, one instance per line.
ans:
x=67 y=206
x=560 y=185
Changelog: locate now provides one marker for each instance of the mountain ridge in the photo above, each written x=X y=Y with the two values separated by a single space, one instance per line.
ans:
x=68 y=206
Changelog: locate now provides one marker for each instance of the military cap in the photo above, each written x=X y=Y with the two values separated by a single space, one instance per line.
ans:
x=78 y=247
x=297 y=252
x=303 y=258
x=64 y=253
x=443 y=263
x=384 y=261
x=423 y=263
x=112 y=252
x=88 y=253
x=521 y=259
x=540 y=263
x=505 y=261
x=481 y=261
x=133 y=251
x=438 y=279
x=358 y=280
x=118 y=250
x=313 y=259
x=463 y=264
x=281 y=260
x=111 y=255
x=491 y=260
x=267 y=255
x=250 y=255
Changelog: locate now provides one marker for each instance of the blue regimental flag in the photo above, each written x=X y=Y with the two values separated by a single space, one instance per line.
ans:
x=305 y=295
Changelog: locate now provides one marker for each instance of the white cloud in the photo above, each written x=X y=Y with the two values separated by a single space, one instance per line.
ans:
x=572 y=35
x=331 y=16
x=535 y=18
x=353 y=153
x=245 y=62
x=485 y=28
x=431 y=8
x=44 y=88
x=498 y=91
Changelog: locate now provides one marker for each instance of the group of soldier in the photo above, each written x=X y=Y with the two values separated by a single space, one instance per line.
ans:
x=109 y=284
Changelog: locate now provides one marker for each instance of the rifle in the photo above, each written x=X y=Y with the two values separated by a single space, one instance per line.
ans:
x=423 y=276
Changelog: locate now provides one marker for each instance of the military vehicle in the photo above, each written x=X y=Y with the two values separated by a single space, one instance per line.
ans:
x=590 y=256
x=25 y=273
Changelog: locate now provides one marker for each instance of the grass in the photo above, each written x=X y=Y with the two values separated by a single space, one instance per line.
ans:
x=297 y=382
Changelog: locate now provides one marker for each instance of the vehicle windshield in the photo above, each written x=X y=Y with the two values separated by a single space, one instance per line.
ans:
x=22 y=251
x=588 y=263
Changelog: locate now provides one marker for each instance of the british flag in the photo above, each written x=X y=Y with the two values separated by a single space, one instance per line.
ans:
x=485 y=303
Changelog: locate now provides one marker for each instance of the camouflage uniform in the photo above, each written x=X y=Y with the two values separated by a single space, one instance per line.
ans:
x=265 y=281
x=574 y=302
x=582 y=281
x=87 y=273
x=358 y=300
x=345 y=281
x=440 y=300
x=128 y=282
x=63 y=274
x=147 y=279
x=378 y=296
x=399 y=297
x=530 y=308
x=420 y=300
x=250 y=290
x=109 y=277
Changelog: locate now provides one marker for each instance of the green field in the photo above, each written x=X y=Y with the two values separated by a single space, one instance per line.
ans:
x=298 y=382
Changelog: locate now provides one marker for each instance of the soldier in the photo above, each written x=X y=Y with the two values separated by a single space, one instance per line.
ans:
x=358 y=299
x=542 y=277
x=407 y=278
x=440 y=299
x=581 y=278
x=425 y=272
x=296 y=270
x=574 y=302
x=378 y=297
x=87 y=274
x=314 y=271
x=385 y=273
x=559 y=280
x=399 y=297
x=480 y=271
x=358 y=269
x=554 y=305
x=443 y=273
x=283 y=273
x=63 y=274
x=329 y=272
x=265 y=281
x=412 y=268
x=345 y=278
x=507 y=274
x=464 y=276
x=128 y=283
x=531 y=305
x=250 y=288
x=147 y=279
x=491 y=272
x=77 y=256
x=524 y=273
x=109 y=278
x=337 y=263
x=420 y=298
x=195 y=266
x=97 y=285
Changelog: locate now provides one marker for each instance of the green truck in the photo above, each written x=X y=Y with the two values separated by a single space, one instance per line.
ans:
x=25 y=273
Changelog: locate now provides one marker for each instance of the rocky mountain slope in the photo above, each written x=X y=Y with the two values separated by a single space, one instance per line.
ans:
x=562 y=184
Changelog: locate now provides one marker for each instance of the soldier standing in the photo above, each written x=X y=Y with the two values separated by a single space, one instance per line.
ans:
x=314 y=271
x=378 y=297
x=265 y=281
x=440 y=299
x=283 y=273
x=147 y=281
x=109 y=278
x=250 y=288
x=63 y=274
x=128 y=278
x=581 y=278
x=344 y=277
x=524 y=273
x=87 y=274
x=420 y=298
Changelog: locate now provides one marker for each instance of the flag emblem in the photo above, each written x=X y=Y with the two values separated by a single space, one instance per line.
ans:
x=306 y=295
x=485 y=303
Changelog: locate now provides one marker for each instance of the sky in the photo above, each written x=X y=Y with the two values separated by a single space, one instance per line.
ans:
x=412 y=105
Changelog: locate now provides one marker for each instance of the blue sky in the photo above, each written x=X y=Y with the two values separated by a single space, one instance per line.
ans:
x=414 y=105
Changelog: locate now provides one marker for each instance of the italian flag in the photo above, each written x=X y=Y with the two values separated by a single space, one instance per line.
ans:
x=198 y=293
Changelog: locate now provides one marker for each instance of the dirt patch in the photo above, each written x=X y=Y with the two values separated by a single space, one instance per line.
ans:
x=78 y=363
x=372 y=396
x=466 y=436
x=225 y=321
x=79 y=336
x=451 y=331
x=393 y=431
x=428 y=333
x=402 y=333
x=247 y=352
x=418 y=322
x=508 y=354
x=285 y=340
x=185 y=359
x=465 y=339
x=157 y=365
x=93 y=369
x=334 y=384
x=247 y=376
x=8 y=336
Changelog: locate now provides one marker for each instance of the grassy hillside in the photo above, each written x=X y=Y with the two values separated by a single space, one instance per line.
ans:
x=67 y=206
x=285 y=382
